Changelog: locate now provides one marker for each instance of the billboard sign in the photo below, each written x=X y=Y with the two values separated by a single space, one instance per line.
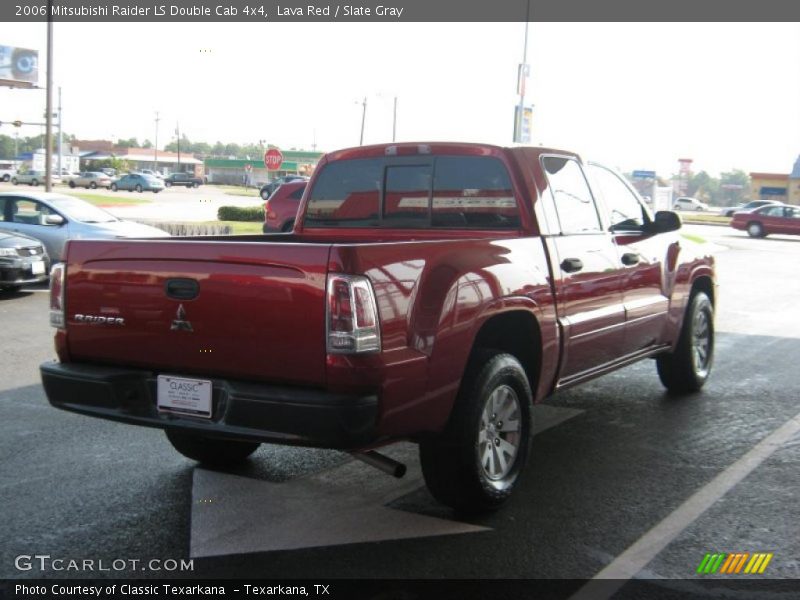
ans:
x=19 y=66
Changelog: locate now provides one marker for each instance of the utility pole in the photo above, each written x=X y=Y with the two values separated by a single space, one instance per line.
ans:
x=523 y=74
x=363 y=118
x=60 y=132
x=48 y=137
x=394 y=120
x=178 y=133
x=155 y=163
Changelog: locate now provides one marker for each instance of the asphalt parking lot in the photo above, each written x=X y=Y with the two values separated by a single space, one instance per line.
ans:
x=622 y=476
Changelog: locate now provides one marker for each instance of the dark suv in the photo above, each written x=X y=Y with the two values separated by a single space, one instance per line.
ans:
x=186 y=179
x=268 y=188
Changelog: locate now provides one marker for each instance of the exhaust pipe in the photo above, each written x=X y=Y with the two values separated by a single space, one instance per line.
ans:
x=381 y=462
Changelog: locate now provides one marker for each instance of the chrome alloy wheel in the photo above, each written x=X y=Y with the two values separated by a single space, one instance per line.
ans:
x=500 y=433
x=701 y=342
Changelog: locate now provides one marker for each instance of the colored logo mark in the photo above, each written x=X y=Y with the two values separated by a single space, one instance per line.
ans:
x=734 y=563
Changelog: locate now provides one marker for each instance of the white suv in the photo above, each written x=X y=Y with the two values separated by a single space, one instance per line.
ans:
x=685 y=203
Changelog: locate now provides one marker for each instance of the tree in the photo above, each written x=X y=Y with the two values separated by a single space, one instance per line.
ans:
x=129 y=143
x=147 y=144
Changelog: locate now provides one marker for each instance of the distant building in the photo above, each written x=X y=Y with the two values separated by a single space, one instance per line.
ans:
x=234 y=171
x=92 y=151
x=794 y=183
x=777 y=186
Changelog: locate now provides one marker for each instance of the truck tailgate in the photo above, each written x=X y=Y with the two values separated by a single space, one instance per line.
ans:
x=258 y=312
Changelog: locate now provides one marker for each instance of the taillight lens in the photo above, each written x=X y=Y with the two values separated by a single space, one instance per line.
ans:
x=57 y=276
x=352 y=319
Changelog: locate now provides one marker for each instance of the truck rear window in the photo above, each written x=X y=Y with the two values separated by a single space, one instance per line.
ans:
x=442 y=192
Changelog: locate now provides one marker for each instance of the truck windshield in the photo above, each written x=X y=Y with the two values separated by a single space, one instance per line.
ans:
x=455 y=192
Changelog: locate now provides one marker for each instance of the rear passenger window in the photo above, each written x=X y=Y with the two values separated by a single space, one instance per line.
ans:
x=298 y=193
x=573 y=200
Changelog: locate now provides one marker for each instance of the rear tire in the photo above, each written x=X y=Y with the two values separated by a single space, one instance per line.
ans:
x=138 y=188
x=93 y=185
x=113 y=187
x=14 y=181
x=687 y=368
x=210 y=451
x=475 y=464
x=72 y=185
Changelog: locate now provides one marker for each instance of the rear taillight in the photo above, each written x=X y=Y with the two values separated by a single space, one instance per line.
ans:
x=57 y=275
x=352 y=316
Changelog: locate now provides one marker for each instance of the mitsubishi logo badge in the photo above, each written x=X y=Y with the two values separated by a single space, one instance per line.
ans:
x=180 y=323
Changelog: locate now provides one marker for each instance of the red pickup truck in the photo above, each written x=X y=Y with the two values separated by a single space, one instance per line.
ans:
x=428 y=292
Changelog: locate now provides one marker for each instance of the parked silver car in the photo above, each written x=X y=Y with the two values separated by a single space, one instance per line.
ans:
x=23 y=260
x=55 y=218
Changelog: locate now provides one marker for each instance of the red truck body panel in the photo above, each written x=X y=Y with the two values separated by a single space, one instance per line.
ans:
x=260 y=314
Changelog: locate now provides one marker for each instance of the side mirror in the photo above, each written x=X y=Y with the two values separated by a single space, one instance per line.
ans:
x=54 y=220
x=666 y=220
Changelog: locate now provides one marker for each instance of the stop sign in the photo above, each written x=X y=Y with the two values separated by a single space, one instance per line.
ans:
x=273 y=159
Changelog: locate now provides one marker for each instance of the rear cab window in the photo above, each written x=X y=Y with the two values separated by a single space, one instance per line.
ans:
x=431 y=192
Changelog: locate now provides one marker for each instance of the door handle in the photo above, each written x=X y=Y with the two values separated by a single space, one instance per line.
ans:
x=630 y=258
x=571 y=265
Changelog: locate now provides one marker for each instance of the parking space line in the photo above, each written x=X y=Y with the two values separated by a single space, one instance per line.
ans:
x=608 y=581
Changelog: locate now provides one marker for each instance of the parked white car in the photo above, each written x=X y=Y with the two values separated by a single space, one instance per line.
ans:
x=689 y=204
x=7 y=171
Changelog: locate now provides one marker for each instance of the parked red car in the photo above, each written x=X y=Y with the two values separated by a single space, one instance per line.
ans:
x=762 y=221
x=280 y=210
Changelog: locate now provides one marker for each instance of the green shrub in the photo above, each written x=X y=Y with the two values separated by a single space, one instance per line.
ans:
x=240 y=213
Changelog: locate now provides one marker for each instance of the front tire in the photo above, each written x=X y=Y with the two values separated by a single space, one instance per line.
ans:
x=93 y=185
x=475 y=464
x=114 y=187
x=755 y=229
x=211 y=451
x=687 y=368
x=14 y=181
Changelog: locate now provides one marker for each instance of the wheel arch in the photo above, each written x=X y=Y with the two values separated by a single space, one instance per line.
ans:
x=704 y=283
x=516 y=332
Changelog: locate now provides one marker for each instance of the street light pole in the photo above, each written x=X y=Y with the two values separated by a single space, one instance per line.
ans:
x=155 y=163
x=394 y=120
x=522 y=76
x=60 y=132
x=363 y=118
x=48 y=137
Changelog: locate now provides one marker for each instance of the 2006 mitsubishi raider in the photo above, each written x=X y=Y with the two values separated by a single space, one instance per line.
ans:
x=429 y=292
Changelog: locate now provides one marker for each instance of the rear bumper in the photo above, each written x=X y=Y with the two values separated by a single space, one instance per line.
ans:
x=240 y=410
